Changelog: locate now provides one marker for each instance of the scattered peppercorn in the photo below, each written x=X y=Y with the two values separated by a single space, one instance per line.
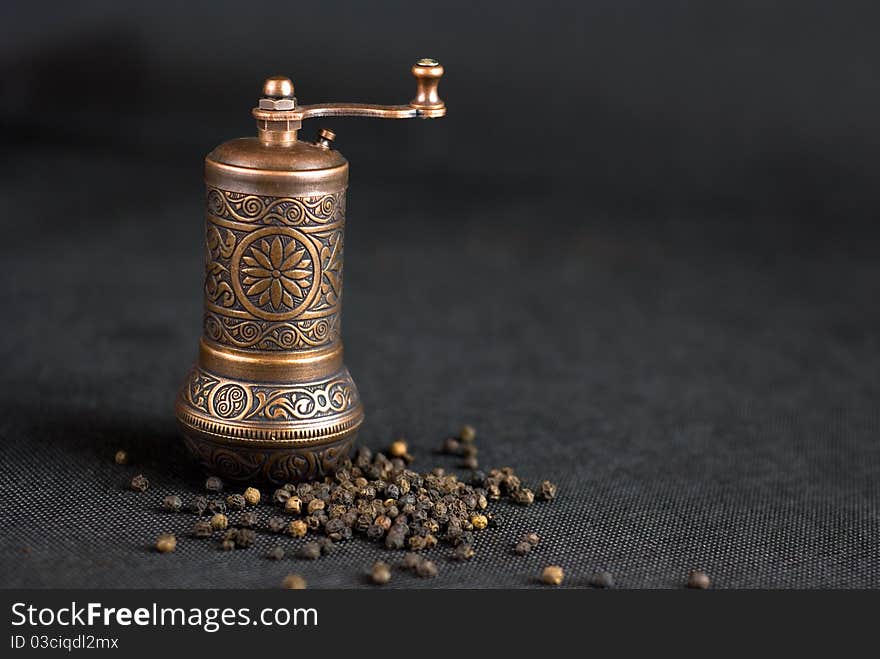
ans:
x=172 y=502
x=314 y=506
x=426 y=569
x=248 y=519
x=552 y=575
x=166 y=543
x=309 y=551
x=276 y=553
x=216 y=506
x=480 y=522
x=227 y=544
x=293 y=582
x=245 y=538
x=547 y=491
x=470 y=462
x=276 y=524
x=202 y=529
x=464 y=552
x=281 y=495
x=199 y=505
x=522 y=548
x=451 y=446
x=139 y=483
x=236 y=502
x=121 y=457
x=252 y=496
x=524 y=496
x=467 y=433
x=293 y=505
x=699 y=580
x=380 y=573
x=602 y=580
x=219 y=522
x=213 y=484
x=298 y=528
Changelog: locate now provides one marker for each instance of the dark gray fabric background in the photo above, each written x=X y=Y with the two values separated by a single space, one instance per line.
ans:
x=659 y=291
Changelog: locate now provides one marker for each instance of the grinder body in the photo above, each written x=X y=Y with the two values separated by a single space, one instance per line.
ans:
x=269 y=398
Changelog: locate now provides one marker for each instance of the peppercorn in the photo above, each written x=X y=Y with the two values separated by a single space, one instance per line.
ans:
x=552 y=575
x=294 y=582
x=699 y=580
x=602 y=580
x=395 y=538
x=276 y=524
x=375 y=532
x=547 y=491
x=166 y=543
x=236 y=502
x=426 y=569
x=245 y=538
x=199 y=505
x=469 y=451
x=252 y=496
x=451 y=446
x=480 y=522
x=398 y=449
x=493 y=492
x=523 y=496
x=276 y=553
x=219 y=522
x=522 y=548
x=216 y=506
x=411 y=561
x=298 y=528
x=202 y=529
x=314 y=522
x=139 y=483
x=281 y=495
x=248 y=519
x=309 y=551
x=532 y=538
x=293 y=505
x=380 y=573
x=463 y=552
x=213 y=484
x=467 y=433
x=470 y=462
x=416 y=543
x=326 y=545
x=172 y=502
x=227 y=545
x=314 y=506
x=121 y=457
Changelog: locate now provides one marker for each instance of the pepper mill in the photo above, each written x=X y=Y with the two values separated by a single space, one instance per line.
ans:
x=269 y=398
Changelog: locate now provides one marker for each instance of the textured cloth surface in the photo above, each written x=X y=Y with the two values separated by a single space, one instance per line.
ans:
x=704 y=390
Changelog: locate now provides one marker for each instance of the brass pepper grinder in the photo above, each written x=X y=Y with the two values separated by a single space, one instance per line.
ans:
x=270 y=398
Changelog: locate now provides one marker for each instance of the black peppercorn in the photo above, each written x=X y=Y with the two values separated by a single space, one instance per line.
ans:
x=463 y=552
x=309 y=551
x=199 y=505
x=139 y=483
x=281 y=496
x=522 y=548
x=236 y=502
x=276 y=524
x=245 y=538
x=699 y=580
x=380 y=573
x=121 y=457
x=248 y=519
x=172 y=502
x=216 y=506
x=426 y=569
x=213 y=484
x=276 y=553
x=202 y=529
x=547 y=491
x=602 y=580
